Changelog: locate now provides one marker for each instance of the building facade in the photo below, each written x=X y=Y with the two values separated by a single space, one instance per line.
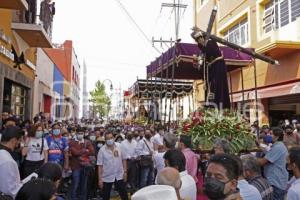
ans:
x=44 y=95
x=270 y=27
x=66 y=63
x=18 y=56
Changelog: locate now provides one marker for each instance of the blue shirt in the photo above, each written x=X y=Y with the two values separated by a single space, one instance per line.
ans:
x=275 y=171
x=247 y=191
x=57 y=147
x=294 y=191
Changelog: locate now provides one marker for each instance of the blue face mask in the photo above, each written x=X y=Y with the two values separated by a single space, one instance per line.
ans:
x=39 y=134
x=110 y=142
x=56 y=132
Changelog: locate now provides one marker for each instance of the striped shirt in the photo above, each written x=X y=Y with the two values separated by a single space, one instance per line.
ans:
x=264 y=188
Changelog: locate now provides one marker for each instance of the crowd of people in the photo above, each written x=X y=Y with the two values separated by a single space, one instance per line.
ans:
x=87 y=159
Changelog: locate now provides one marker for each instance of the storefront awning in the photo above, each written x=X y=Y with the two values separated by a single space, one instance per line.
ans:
x=186 y=61
x=273 y=91
x=160 y=88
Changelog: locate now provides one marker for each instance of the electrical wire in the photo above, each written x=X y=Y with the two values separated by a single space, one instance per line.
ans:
x=136 y=24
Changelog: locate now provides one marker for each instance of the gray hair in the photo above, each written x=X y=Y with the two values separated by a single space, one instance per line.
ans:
x=223 y=143
x=170 y=140
x=250 y=163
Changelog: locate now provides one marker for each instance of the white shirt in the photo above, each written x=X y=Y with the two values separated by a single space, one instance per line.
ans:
x=129 y=148
x=247 y=191
x=112 y=163
x=159 y=162
x=158 y=139
x=10 y=182
x=34 y=149
x=142 y=148
x=294 y=191
x=188 y=188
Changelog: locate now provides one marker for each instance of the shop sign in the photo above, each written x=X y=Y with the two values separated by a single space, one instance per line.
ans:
x=30 y=64
x=7 y=53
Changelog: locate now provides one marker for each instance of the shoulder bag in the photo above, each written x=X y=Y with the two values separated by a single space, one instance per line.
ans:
x=146 y=160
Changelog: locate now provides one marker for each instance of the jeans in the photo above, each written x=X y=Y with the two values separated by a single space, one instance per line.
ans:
x=79 y=181
x=147 y=176
x=278 y=194
x=120 y=187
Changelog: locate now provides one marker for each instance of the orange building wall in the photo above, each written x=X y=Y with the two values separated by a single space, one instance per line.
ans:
x=62 y=59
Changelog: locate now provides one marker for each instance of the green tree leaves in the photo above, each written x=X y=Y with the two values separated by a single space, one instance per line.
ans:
x=101 y=101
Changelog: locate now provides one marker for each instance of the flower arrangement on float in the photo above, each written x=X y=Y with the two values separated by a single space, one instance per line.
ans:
x=205 y=125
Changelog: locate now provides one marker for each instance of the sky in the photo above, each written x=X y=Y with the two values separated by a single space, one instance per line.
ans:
x=109 y=42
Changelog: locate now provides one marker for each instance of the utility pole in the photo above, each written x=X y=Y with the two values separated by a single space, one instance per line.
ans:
x=176 y=7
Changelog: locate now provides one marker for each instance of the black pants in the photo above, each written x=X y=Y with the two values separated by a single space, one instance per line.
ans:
x=31 y=166
x=30 y=14
x=120 y=187
x=133 y=173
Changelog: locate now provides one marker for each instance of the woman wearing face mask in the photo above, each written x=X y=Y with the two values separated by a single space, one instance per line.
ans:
x=35 y=150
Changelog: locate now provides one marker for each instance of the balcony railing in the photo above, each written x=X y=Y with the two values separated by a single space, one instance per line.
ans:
x=38 y=13
x=35 y=24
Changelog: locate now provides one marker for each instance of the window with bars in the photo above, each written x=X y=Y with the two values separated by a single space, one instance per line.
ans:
x=238 y=34
x=18 y=100
x=279 y=13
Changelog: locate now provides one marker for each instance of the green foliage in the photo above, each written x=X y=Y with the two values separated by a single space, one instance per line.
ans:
x=101 y=101
x=207 y=125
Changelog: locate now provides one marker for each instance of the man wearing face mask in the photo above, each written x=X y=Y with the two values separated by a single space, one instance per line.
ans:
x=221 y=178
x=10 y=181
x=112 y=168
x=58 y=147
x=81 y=151
x=274 y=164
x=128 y=146
x=158 y=138
x=145 y=151
x=291 y=139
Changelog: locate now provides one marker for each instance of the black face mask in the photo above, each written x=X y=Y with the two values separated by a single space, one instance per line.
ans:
x=214 y=189
x=148 y=136
x=141 y=137
x=129 y=137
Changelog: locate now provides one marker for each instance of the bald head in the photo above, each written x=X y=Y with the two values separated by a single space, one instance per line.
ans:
x=169 y=176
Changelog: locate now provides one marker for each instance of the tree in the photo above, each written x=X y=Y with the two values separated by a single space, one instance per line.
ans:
x=101 y=101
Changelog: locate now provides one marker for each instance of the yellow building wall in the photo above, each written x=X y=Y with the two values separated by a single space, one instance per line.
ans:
x=232 y=11
x=30 y=53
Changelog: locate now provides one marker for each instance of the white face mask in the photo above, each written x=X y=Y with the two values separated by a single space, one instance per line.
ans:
x=79 y=137
x=177 y=145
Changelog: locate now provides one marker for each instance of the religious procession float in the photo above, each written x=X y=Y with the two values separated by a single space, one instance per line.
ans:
x=206 y=125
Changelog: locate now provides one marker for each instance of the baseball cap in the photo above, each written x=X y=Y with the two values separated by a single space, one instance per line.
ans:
x=155 y=192
x=11 y=132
